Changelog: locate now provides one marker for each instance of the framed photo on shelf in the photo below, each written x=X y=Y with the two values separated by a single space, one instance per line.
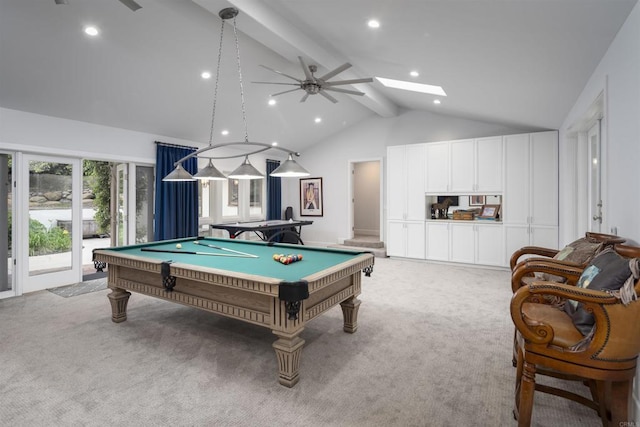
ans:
x=476 y=200
x=311 y=197
x=489 y=212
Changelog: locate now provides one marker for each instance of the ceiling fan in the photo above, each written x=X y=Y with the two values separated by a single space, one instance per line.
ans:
x=129 y=3
x=313 y=85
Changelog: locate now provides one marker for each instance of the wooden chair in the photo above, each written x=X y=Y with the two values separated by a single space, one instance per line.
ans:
x=548 y=343
x=537 y=251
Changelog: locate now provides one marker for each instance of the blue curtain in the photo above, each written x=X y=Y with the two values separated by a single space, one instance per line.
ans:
x=274 y=192
x=176 y=203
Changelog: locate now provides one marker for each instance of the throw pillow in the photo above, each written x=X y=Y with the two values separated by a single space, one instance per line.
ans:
x=578 y=252
x=607 y=271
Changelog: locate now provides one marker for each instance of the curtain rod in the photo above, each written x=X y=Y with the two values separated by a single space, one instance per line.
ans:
x=168 y=144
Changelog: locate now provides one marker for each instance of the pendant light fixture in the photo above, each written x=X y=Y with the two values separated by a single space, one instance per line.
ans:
x=246 y=170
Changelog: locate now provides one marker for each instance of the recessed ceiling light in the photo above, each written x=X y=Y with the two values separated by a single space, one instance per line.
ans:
x=415 y=87
x=414 y=74
x=225 y=132
x=272 y=102
x=373 y=23
x=91 y=31
x=274 y=143
x=318 y=120
x=206 y=75
x=436 y=101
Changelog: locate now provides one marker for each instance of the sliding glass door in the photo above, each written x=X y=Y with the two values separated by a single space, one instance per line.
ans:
x=52 y=244
x=6 y=226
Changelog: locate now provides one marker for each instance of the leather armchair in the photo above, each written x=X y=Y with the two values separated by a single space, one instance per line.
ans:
x=537 y=251
x=548 y=343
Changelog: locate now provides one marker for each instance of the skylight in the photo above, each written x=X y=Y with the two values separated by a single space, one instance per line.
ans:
x=414 y=87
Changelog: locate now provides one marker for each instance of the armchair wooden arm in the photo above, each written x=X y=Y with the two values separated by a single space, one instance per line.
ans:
x=531 y=250
x=570 y=271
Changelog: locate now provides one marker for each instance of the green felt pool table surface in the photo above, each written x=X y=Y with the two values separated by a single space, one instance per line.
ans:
x=314 y=260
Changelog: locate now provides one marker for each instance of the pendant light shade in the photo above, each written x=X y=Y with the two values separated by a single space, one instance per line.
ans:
x=178 y=174
x=210 y=173
x=290 y=169
x=246 y=171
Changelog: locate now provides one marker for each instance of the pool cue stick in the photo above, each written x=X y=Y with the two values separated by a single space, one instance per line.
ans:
x=172 y=251
x=225 y=249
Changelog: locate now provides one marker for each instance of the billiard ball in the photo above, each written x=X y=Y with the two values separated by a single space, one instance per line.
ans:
x=299 y=257
x=178 y=246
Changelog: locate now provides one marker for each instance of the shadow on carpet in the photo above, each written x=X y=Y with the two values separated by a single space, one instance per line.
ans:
x=80 y=288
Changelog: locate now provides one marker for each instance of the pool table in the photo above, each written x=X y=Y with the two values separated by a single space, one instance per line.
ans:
x=240 y=279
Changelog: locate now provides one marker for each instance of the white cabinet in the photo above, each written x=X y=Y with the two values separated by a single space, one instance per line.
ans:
x=466 y=242
x=437 y=237
x=437 y=168
x=464 y=166
x=405 y=182
x=406 y=239
x=530 y=203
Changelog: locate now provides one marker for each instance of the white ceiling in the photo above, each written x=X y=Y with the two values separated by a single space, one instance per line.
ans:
x=520 y=63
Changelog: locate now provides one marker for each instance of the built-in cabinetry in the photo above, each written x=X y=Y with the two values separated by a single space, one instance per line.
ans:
x=470 y=242
x=523 y=169
x=405 y=200
x=530 y=206
x=464 y=166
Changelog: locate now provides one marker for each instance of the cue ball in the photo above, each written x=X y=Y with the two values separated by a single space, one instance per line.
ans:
x=179 y=246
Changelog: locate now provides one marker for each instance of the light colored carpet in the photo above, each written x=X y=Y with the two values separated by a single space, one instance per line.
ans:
x=433 y=348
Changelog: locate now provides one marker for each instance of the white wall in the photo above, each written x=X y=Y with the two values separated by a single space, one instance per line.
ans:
x=368 y=139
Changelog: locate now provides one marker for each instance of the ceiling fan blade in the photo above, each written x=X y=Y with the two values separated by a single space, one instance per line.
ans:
x=348 y=82
x=305 y=67
x=281 y=73
x=304 y=98
x=62 y=2
x=274 y=83
x=329 y=97
x=131 y=4
x=350 y=92
x=336 y=71
x=286 y=91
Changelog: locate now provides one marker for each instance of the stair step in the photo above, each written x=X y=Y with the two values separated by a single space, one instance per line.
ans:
x=364 y=243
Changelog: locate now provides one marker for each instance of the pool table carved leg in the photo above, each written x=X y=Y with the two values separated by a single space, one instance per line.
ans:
x=350 y=314
x=119 y=299
x=288 y=349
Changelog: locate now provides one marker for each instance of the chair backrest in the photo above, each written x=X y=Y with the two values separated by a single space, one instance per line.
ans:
x=606 y=239
x=288 y=213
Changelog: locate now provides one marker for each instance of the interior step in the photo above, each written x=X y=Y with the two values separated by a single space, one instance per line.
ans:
x=364 y=242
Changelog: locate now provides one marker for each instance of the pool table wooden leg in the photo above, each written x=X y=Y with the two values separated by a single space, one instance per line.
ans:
x=350 y=314
x=119 y=299
x=288 y=350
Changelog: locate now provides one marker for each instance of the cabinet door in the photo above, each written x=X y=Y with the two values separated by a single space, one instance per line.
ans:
x=462 y=166
x=516 y=197
x=437 y=241
x=490 y=245
x=396 y=182
x=546 y=237
x=414 y=170
x=489 y=165
x=462 y=243
x=437 y=167
x=544 y=178
x=415 y=239
x=515 y=237
x=396 y=239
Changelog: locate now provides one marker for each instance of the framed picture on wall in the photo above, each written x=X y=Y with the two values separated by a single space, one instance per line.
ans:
x=476 y=200
x=311 y=197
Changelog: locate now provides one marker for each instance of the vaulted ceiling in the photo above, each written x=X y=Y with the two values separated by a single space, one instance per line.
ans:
x=518 y=63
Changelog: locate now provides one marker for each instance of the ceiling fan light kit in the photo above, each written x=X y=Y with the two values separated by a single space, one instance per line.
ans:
x=313 y=85
x=246 y=170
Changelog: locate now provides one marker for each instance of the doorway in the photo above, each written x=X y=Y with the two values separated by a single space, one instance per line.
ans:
x=365 y=200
